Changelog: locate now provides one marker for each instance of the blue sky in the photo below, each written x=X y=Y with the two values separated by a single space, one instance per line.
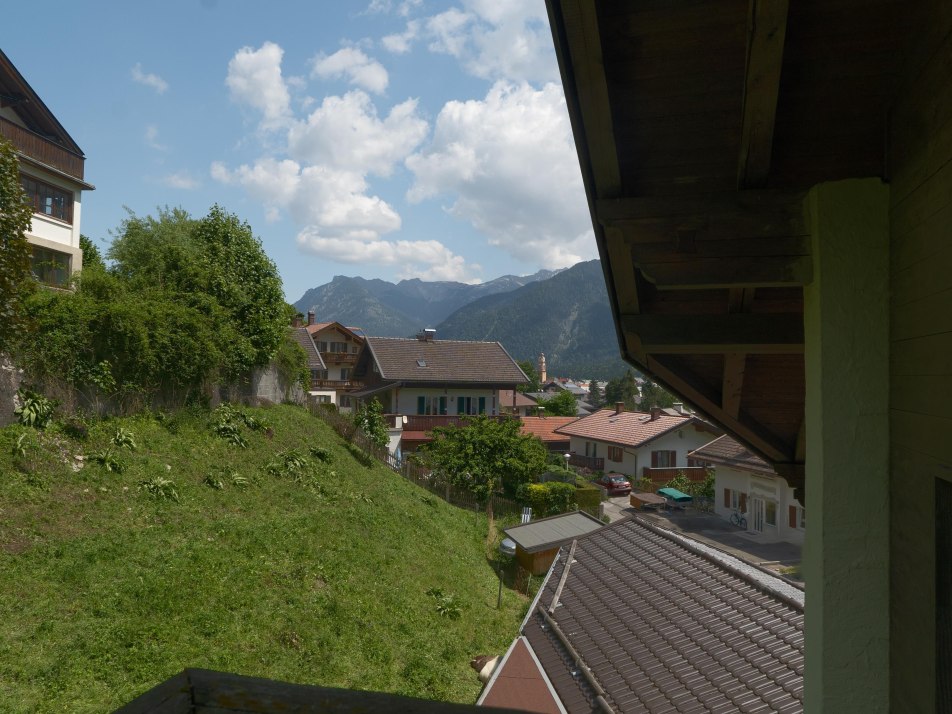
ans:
x=381 y=138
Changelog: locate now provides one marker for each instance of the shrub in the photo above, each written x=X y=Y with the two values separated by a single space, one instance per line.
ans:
x=548 y=499
x=588 y=498
x=124 y=439
x=35 y=410
x=160 y=487
x=108 y=460
x=321 y=454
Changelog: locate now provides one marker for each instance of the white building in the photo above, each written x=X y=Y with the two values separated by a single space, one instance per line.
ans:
x=51 y=171
x=745 y=483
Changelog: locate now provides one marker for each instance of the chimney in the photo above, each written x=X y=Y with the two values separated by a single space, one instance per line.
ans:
x=310 y=317
x=680 y=407
x=619 y=407
x=427 y=334
x=655 y=413
x=296 y=321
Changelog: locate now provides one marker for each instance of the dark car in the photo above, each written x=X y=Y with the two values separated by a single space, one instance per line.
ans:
x=615 y=484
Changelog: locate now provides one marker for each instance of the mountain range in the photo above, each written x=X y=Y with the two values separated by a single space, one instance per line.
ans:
x=564 y=314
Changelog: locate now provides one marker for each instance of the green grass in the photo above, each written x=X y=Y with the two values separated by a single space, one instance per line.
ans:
x=317 y=575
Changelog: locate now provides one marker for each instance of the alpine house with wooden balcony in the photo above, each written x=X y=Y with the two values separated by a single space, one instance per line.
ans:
x=339 y=347
x=51 y=172
x=428 y=382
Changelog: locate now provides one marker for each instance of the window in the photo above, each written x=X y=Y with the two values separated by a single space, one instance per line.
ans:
x=664 y=459
x=323 y=398
x=345 y=401
x=770 y=516
x=50 y=267
x=339 y=347
x=797 y=517
x=48 y=200
x=616 y=453
x=593 y=447
x=322 y=347
x=431 y=405
x=317 y=374
x=735 y=500
x=470 y=405
x=345 y=373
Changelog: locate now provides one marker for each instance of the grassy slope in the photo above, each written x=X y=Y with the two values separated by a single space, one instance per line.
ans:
x=107 y=590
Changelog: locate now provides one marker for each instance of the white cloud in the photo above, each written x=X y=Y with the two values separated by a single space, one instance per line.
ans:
x=403 y=9
x=149 y=80
x=491 y=39
x=254 y=78
x=152 y=138
x=401 y=42
x=346 y=133
x=510 y=164
x=181 y=180
x=353 y=64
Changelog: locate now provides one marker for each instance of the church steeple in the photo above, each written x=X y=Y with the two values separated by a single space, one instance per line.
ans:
x=542 y=378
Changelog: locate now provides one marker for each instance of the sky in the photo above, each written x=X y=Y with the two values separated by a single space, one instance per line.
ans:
x=388 y=139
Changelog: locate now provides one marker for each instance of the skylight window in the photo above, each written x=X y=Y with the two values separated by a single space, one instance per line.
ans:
x=421 y=363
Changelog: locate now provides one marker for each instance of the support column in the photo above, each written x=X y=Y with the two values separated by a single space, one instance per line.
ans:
x=846 y=554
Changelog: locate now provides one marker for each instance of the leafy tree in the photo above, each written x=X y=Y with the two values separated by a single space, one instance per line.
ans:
x=369 y=418
x=595 y=396
x=16 y=280
x=529 y=368
x=562 y=404
x=623 y=389
x=653 y=395
x=485 y=455
x=92 y=257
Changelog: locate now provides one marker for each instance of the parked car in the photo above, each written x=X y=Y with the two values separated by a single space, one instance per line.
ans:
x=614 y=484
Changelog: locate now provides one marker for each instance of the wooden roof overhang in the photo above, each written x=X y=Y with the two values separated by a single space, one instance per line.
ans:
x=700 y=126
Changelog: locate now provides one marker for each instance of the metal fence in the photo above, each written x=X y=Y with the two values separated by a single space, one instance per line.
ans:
x=415 y=473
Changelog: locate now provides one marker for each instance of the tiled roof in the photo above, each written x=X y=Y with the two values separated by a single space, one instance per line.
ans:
x=726 y=450
x=302 y=337
x=413 y=360
x=520 y=683
x=544 y=427
x=522 y=400
x=665 y=628
x=316 y=327
x=627 y=428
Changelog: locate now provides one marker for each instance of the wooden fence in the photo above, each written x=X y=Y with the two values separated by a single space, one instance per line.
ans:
x=415 y=473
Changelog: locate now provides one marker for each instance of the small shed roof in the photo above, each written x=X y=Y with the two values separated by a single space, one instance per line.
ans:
x=553 y=531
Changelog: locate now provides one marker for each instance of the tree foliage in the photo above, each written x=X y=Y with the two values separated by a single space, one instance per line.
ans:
x=548 y=499
x=562 y=404
x=623 y=389
x=92 y=256
x=16 y=280
x=595 y=395
x=528 y=367
x=654 y=395
x=369 y=418
x=485 y=455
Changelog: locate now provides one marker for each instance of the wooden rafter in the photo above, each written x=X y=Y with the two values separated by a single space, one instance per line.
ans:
x=733 y=383
x=766 y=33
x=717 y=334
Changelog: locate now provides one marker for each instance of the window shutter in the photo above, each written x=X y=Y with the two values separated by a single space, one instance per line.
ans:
x=654 y=459
x=727 y=498
x=460 y=405
x=421 y=405
x=442 y=405
x=482 y=405
x=672 y=458
x=742 y=507
x=792 y=520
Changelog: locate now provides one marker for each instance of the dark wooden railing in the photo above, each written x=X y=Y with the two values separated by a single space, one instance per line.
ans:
x=42 y=149
x=339 y=357
x=663 y=475
x=427 y=422
x=596 y=463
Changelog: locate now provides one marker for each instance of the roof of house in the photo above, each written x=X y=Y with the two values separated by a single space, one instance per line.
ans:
x=354 y=332
x=522 y=399
x=301 y=336
x=627 y=428
x=520 y=682
x=663 y=626
x=544 y=427
x=553 y=531
x=730 y=452
x=415 y=360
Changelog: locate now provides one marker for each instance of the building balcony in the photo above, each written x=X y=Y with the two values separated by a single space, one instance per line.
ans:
x=339 y=357
x=336 y=384
x=43 y=150
x=427 y=422
x=596 y=463
x=665 y=474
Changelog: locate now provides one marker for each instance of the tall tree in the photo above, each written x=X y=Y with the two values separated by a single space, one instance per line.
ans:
x=595 y=396
x=529 y=368
x=92 y=256
x=654 y=395
x=15 y=276
x=623 y=389
x=562 y=404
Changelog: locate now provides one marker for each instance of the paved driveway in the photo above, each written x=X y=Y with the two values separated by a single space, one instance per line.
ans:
x=711 y=529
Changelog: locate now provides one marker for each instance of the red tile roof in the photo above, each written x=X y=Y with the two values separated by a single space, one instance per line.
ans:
x=444 y=361
x=627 y=428
x=729 y=452
x=544 y=427
x=519 y=683
x=664 y=627
x=505 y=399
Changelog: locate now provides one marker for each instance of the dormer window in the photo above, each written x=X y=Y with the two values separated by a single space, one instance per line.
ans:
x=421 y=363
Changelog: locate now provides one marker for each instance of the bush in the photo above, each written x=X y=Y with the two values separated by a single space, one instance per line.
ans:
x=35 y=410
x=548 y=499
x=588 y=498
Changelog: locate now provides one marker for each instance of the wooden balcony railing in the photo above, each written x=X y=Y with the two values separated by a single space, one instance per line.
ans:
x=596 y=463
x=426 y=422
x=336 y=384
x=339 y=357
x=663 y=475
x=42 y=149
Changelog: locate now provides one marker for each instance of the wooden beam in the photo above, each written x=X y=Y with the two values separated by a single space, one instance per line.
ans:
x=717 y=334
x=623 y=271
x=767 y=445
x=705 y=273
x=584 y=60
x=733 y=383
x=766 y=32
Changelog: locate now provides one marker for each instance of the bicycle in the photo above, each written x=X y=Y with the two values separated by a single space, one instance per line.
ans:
x=738 y=520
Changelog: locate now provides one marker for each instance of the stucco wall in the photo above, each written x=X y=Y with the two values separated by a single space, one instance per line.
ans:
x=769 y=488
x=407 y=399
x=634 y=460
